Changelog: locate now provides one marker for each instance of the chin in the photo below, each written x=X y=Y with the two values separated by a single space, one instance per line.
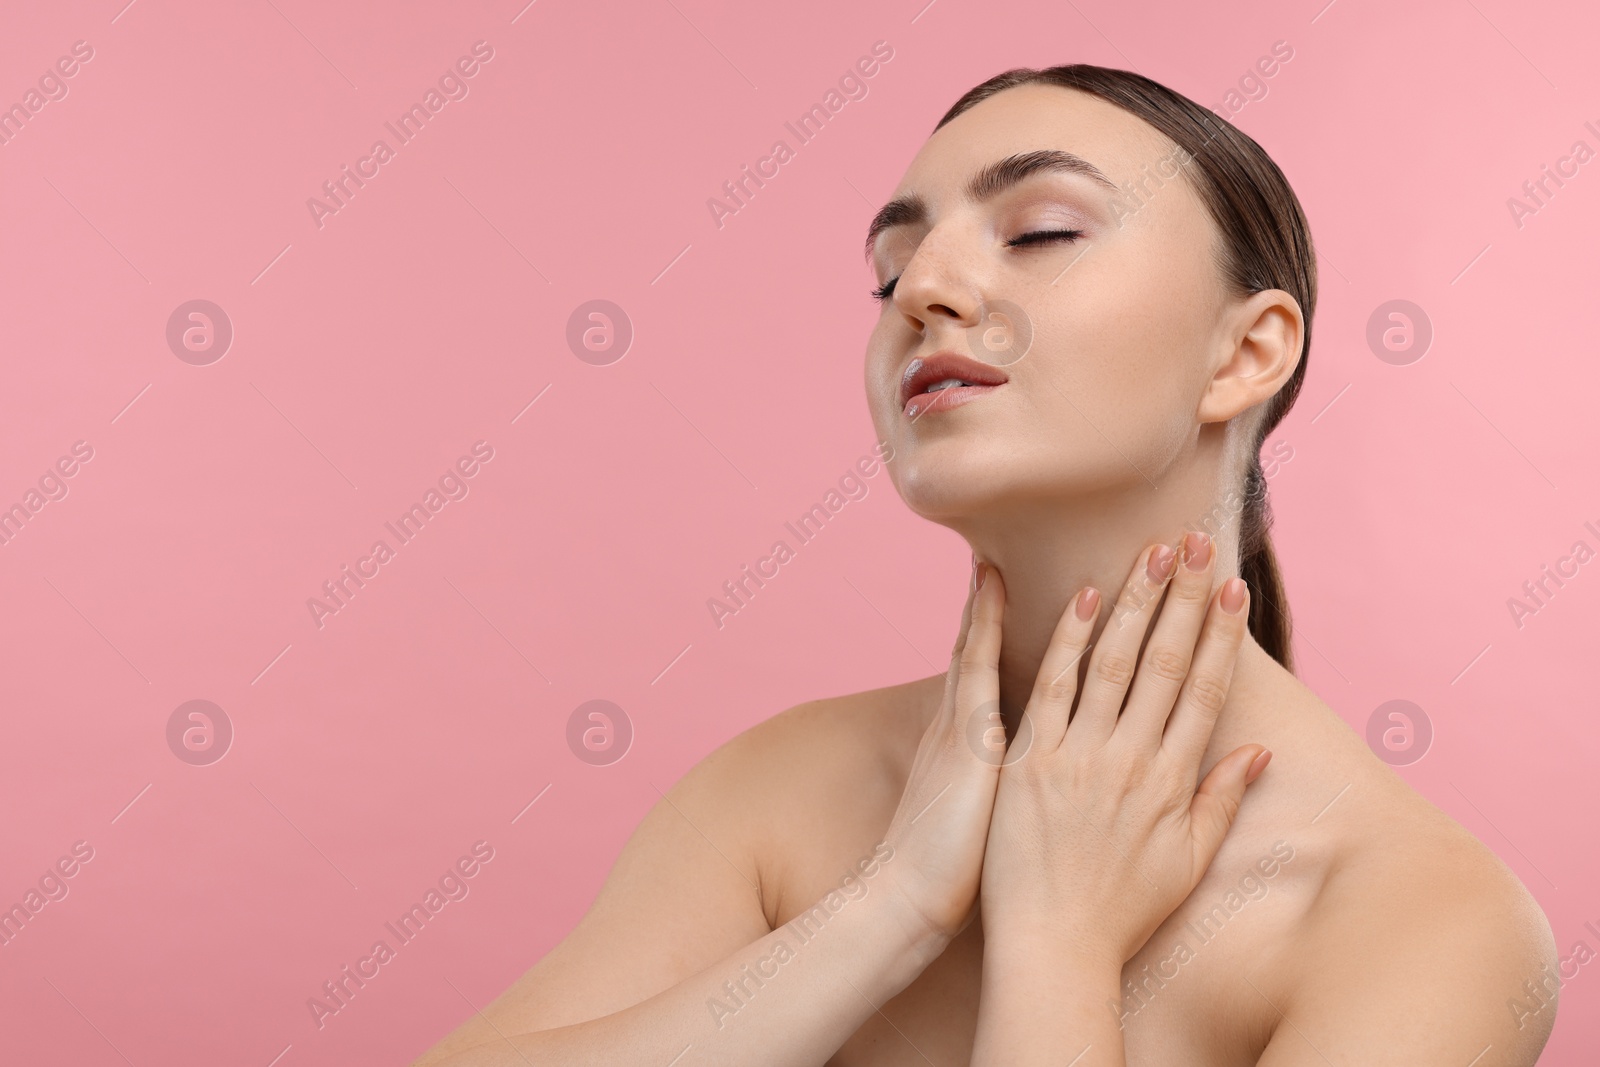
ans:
x=953 y=482
x=940 y=488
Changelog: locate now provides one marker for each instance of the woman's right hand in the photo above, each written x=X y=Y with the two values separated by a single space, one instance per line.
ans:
x=941 y=827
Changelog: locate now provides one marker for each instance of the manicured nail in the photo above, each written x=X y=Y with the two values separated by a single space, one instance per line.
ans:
x=1088 y=603
x=1258 y=765
x=983 y=572
x=1196 y=551
x=1233 y=595
x=1160 y=566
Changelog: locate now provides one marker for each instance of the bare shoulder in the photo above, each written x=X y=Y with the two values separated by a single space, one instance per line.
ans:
x=826 y=733
x=807 y=750
x=820 y=778
x=1422 y=947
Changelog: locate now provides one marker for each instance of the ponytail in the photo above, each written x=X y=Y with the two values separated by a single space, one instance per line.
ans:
x=1270 y=623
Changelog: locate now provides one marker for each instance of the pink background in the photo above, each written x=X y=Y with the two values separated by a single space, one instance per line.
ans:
x=426 y=314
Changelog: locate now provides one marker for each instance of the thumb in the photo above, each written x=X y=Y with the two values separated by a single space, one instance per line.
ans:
x=1217 y=801
x=972 y=913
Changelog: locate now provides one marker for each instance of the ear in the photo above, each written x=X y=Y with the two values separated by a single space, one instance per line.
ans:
x=1259 y=350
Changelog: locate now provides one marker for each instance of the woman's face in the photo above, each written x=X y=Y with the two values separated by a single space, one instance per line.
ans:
x=1128 y=319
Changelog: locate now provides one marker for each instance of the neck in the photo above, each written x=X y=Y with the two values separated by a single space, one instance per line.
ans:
x=1046 y=554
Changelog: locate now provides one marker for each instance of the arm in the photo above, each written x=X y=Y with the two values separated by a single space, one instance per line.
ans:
x=781 y=1000
x=677 y=955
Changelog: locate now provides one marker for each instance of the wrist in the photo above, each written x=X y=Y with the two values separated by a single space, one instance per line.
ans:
x=921 y=938
x=1034 y=990
x=1016 y=944
x=1042 y=1001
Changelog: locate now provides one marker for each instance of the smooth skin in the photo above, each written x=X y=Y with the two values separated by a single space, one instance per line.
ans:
x=1056 y=849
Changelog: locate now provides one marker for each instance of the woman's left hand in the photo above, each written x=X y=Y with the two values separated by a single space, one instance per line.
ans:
x=1099 y=830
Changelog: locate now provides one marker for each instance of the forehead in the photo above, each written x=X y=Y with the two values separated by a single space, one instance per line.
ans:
x=1029 y=117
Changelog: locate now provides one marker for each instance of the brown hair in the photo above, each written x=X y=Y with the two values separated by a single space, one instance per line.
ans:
x=1266 y=245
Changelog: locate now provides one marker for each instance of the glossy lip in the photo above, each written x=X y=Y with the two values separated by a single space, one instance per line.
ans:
x=921 y=373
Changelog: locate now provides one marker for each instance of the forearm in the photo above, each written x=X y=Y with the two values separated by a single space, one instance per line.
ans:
x=788 y=1000
x=1041 y=1004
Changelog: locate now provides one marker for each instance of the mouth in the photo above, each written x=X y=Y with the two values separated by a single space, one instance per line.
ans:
x=944 y=381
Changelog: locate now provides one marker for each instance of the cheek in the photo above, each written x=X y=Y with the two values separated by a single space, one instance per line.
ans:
x=1125 y=348
x=1122 y=357
x=887 y=348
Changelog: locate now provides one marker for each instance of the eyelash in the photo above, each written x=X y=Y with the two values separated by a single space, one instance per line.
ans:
x=1033 y=237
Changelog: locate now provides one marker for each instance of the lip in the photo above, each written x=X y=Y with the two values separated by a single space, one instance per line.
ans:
x=915 y=401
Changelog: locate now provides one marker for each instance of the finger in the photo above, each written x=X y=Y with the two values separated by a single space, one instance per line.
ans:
x=952 y=672
x=1050 y=703
x=978 y=667
x=1205 y=690
x=966 y=612
x=1216 y=803
x=1112 y=662
x=1165 y=664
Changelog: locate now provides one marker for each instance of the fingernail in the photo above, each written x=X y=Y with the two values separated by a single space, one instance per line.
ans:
x=1258 y=765
x=1233 y=595
x=1088 y=603
x=983 y=572
x=1196 y=551
x=1160 y=566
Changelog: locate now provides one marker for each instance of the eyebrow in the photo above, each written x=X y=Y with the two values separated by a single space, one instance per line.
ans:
x=989 y=182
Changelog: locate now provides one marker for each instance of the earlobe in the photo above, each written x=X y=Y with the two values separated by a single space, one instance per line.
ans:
x=1259 y=357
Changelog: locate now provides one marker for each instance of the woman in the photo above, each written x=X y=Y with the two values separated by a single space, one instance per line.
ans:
x=1096 y=304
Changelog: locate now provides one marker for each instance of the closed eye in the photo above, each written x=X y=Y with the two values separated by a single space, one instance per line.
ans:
x=1034 y=237
x=1041 y=236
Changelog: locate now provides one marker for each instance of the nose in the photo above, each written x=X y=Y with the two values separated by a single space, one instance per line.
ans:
x=935 y=287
